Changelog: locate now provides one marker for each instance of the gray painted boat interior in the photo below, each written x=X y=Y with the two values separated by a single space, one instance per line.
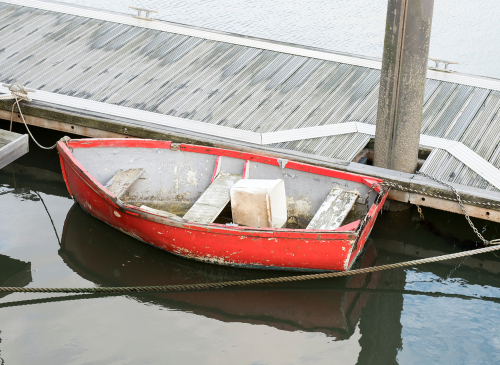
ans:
x=174 y=180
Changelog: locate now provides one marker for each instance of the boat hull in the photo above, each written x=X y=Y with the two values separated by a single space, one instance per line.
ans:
x=281 y=249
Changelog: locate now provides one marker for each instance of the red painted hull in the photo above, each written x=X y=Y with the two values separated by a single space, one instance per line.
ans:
x=284 y=249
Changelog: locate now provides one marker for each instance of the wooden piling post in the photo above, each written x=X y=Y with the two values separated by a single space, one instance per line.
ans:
x=402 y=84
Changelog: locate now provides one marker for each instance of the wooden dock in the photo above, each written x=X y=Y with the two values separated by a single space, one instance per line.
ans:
x=104 y=74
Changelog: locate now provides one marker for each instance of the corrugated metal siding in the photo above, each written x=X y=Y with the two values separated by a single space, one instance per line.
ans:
x=232 y=85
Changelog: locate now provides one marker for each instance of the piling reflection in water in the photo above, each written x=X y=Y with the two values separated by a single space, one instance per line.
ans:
x=100 y=254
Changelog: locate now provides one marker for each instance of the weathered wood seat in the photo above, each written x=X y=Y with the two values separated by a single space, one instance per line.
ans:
x=213 y=200
x=122 y=180
x=334 y=209
x=162 y=213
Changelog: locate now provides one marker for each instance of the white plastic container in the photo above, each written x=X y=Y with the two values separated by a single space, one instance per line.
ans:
x=259 y=203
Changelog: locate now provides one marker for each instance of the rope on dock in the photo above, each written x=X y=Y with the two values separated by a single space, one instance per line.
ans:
x=20 y=93
x=285 y=279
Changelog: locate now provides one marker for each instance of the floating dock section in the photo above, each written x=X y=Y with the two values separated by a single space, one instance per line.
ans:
x=105 y=74
x=12 y=146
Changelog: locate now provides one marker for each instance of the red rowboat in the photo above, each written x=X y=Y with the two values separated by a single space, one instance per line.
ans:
x=221 y=206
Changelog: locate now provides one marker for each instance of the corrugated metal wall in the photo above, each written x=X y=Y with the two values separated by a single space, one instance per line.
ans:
x=231 y=85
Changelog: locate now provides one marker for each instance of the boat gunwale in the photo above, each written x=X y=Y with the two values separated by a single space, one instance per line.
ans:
x=65 y=150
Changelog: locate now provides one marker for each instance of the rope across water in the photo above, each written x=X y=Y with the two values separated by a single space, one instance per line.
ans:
x=226 y=284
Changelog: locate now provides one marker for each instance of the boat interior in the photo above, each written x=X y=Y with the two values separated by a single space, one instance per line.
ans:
x=210 y=188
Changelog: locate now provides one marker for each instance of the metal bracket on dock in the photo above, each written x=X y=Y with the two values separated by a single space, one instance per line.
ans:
x=139 y=13
x=446 y=63
x=282 y=162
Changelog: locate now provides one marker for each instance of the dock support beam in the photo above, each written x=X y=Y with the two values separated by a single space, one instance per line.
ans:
x=402 y=84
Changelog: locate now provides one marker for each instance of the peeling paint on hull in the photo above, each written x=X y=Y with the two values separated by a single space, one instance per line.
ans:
x=277 y=249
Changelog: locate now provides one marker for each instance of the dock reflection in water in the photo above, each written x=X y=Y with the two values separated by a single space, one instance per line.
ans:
x=14 y=273
x=107 y=257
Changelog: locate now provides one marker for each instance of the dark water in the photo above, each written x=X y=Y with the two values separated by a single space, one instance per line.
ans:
x=446 y=313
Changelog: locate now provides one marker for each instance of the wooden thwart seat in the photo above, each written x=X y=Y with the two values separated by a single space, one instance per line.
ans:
x=162 y=213
x=122 y=180
x=334 y=209
x=213 y=200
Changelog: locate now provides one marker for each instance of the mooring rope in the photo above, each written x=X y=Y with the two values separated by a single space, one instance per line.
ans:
x=50 y=217
x=226 y=284
x=20 y=93
x=362 y=290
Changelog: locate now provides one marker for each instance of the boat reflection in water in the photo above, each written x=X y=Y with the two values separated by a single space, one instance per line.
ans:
x=106 y=257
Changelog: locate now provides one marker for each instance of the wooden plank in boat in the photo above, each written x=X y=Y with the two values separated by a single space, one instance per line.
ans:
x=334 y=209
x=122 y=180
x=160 y=212
x=213 y=200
